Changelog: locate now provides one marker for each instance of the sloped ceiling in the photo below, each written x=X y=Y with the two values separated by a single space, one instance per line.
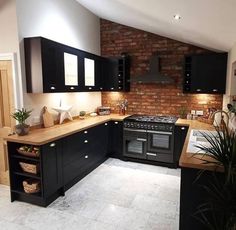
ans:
x=206 y=23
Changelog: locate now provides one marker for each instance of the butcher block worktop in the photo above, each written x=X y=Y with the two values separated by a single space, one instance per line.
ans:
x=45 y=135
x=189 y=160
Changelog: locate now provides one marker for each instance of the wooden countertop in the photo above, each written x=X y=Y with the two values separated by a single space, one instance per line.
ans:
x=45 y=135
x=189 y=160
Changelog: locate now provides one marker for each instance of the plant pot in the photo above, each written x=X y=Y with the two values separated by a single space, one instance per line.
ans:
x=22 y=129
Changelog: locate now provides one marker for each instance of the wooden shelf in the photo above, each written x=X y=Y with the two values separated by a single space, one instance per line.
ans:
x=31 y=175
x=25 y=157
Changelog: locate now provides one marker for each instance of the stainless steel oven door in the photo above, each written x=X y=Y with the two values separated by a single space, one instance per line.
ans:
x=160 y=146
x=135 y=143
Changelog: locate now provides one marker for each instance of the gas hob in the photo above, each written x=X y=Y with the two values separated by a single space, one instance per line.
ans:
x=153 y=119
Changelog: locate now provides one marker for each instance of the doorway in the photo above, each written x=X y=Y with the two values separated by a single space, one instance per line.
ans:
x=6 y=121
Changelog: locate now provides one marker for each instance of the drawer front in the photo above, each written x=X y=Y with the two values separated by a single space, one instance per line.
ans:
x=78 y=166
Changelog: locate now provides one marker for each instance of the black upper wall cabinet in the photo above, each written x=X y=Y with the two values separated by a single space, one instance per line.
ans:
x=54 y=67
x=205 y=73
x=42 y=65
x=116 y=73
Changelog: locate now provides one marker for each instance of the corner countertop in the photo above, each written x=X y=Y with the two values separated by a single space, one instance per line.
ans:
x=45 y=135
x=188 y=160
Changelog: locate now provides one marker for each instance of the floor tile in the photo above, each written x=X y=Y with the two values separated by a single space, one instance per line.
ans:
x=117 y=195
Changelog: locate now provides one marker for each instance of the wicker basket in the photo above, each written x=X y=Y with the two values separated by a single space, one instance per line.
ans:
x=29 y=168
x=28 y=154
x=31 y=186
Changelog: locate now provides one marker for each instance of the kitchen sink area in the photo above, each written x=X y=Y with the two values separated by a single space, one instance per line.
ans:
x=198 y=138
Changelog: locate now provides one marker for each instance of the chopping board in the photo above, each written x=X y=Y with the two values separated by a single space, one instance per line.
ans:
x=47 y=118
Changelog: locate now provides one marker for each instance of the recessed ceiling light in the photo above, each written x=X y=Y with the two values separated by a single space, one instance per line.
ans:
x=177 y=17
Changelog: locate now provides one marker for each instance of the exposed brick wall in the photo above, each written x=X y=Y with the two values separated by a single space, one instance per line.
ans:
x=152 y=98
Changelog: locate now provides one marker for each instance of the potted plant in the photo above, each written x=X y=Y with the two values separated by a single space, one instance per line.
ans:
x=219 y=211
x=21 y=115
x=82 y=114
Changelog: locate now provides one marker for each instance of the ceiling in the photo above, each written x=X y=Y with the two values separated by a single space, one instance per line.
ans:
x=205 y=23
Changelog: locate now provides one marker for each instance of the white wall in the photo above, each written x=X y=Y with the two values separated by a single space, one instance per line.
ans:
x=231 y=79
x=9 y=44
x=64 y=21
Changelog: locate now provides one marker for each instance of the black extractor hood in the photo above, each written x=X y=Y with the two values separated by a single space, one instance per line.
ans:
x=153 y=75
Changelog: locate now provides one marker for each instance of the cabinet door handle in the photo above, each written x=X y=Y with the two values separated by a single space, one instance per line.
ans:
x=183 y=128
x=199 y=90
x=86 y=156
x=90 y=88
x=86 y=141
x=151 y=154
x=53 y=144
x=105 y=124
x=116 y=122
x=141 y=139
x=101 y=88
x=52 y=87
x=85 y=131
x=112 y=88
x=215 y=90
x=72 y=87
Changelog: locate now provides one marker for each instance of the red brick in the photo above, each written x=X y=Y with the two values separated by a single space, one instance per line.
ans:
x=151 y=98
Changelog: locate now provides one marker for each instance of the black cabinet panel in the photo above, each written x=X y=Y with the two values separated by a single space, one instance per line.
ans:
x=116 y=139
x=52 y=176
x=205 y=73
x=180 y=135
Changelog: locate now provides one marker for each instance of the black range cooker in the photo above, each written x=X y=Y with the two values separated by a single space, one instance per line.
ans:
x=149 y=137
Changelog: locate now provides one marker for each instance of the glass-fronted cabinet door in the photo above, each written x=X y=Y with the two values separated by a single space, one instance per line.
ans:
x=71 y=75
x=90 y=72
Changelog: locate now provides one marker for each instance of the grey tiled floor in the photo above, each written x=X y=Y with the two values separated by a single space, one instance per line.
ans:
x=116 y=196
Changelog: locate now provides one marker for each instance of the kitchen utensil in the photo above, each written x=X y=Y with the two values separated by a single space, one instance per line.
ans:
x=47 y=118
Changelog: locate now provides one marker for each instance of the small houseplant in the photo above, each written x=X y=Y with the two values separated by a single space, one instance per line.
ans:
x=82 y=114
x=219 y=211
x=21 y=115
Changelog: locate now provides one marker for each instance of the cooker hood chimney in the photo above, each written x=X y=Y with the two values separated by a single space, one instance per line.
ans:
x=153 y=75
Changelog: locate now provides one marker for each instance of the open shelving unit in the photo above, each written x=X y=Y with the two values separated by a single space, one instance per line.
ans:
x=18 y=175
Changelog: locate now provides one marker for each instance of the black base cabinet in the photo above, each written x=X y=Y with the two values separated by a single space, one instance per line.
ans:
x=192 y=194
x=83 y=152
x=49 y=175
x=61 y=164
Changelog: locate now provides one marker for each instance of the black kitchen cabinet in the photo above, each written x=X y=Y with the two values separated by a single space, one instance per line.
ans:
x=115 y=73
x=193 y=194
x=84 y=151
x=43 y=65
x=116 y=139
x=46 y=65
x=91 y=72
x=180 y=135
x=205 y=73
x=50 y=175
